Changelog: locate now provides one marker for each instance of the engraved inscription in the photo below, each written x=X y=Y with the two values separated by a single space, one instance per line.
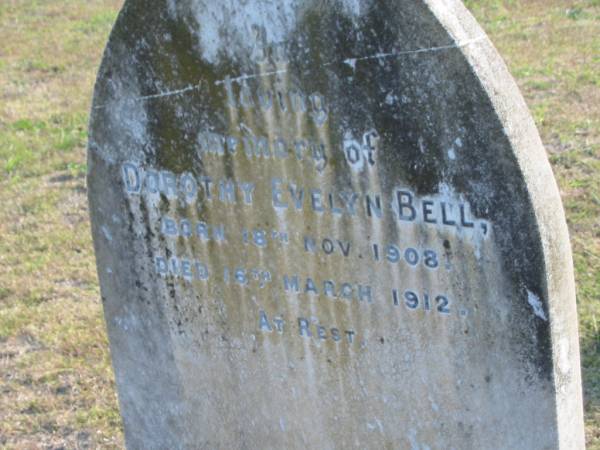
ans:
x=423 y=226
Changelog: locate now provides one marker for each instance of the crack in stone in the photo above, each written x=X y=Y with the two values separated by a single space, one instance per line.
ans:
x=350 y=61
x=159 y=95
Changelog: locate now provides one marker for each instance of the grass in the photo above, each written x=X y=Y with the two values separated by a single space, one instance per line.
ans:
x=56 y=383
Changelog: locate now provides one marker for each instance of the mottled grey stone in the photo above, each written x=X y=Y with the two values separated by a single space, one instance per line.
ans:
x=328 y=224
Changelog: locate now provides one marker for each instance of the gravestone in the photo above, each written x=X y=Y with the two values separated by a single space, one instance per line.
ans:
x=328 y=224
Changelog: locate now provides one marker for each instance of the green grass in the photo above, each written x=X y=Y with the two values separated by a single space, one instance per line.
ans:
x=56 y=382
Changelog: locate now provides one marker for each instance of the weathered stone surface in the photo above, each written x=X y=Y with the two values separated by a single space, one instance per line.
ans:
x=328 y=224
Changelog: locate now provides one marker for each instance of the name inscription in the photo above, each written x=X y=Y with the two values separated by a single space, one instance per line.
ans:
x=402 y=204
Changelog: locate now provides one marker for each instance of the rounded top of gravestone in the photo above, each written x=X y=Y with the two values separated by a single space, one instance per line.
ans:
x=327 y=224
